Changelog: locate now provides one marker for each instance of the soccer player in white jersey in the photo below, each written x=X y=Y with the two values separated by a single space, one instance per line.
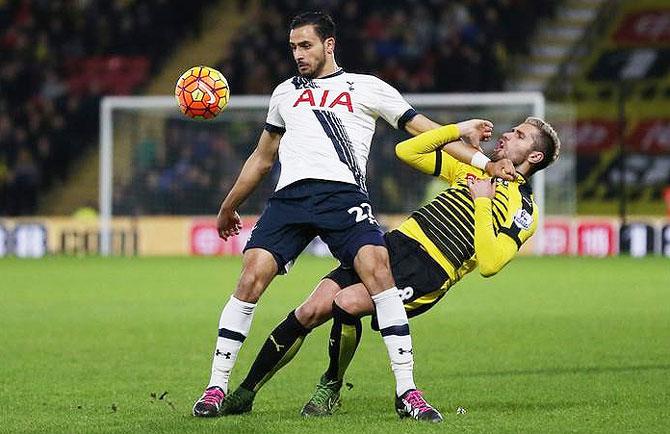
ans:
x=320 y=125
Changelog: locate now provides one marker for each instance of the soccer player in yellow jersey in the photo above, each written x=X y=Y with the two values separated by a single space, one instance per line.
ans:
x=476 y=222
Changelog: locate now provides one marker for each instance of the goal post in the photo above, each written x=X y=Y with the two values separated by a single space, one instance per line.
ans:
x=513 y=107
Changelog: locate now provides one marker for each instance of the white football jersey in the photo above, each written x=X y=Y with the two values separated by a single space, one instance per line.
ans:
x=328 y=124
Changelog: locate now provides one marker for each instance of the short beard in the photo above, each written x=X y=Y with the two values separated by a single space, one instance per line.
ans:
x=308 y=75
x=497 y=157
x=318 y=69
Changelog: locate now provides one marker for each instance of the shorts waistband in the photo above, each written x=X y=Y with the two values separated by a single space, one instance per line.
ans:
x=311 y=187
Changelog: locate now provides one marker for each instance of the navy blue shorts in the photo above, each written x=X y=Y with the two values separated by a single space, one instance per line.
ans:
x=338 y=212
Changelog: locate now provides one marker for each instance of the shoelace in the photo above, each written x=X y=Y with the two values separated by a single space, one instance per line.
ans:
x=416 y=401
x=212 y=396
x=321 y=394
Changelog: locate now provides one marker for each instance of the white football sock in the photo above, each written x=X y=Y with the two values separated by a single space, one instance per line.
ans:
x=394 y=328
x=234 y=327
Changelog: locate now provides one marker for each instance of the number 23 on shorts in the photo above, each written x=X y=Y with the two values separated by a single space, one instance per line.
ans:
x=362 y=212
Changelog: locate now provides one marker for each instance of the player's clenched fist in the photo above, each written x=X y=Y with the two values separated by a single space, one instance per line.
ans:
x=502 y=169
x=482 y=188
x=228 y=223
x=475 y=130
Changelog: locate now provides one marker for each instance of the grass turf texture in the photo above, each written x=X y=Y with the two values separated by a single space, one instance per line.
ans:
x=549 y=345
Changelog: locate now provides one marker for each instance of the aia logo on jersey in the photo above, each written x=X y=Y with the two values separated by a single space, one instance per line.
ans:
x=322 y=98
x=471 y=177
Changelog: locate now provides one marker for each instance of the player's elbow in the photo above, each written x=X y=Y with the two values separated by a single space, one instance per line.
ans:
x=402 y=152
x=262 y=164
x=265 y=167
x=487 y=273
x=488 y=269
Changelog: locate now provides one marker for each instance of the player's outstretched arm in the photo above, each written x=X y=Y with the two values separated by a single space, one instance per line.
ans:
x=419 y=151
x=255 y=168
x=420 y=124
x=492 y=252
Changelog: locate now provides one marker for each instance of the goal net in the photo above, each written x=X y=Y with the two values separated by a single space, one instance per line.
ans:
x=154 y=161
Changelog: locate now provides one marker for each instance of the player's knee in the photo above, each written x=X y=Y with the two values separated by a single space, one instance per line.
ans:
x=378 y=278
x=351 y=304
x=311 y=315
x=372 y=263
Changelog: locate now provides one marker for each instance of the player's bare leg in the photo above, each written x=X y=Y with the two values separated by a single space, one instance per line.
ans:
x=317 y=309
x=372 y=265
x=258 y=269
x=355 y=300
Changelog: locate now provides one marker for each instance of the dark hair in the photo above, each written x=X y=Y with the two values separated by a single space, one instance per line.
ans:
x=322 y=22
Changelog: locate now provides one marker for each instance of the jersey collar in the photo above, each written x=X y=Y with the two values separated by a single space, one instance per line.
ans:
x=334 y=74
x=523 y=183
x=521 y=179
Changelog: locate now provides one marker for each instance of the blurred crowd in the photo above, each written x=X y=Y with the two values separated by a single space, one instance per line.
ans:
x=48 y=104
x=185 y=171
x=417 y=45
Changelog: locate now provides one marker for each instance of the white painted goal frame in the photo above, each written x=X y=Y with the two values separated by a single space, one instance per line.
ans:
x=534 y=99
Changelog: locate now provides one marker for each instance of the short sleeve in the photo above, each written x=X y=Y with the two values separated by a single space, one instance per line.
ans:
x=274 y=123
x=392 y=106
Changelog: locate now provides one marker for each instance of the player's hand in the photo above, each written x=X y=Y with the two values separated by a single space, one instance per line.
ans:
x=482 y=188
x=228 y=223
x=474 y=131
x=502 y=169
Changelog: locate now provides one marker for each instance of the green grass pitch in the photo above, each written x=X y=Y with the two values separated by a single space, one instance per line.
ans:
x=549 y=345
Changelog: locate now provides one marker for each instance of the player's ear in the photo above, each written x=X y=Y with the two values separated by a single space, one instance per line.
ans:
x=535 y=157
x=330 y=45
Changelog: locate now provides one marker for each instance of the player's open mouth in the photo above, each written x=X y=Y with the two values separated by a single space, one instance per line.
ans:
x=499 y=145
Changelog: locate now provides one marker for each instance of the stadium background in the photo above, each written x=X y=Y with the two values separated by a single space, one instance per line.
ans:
x=607 y=63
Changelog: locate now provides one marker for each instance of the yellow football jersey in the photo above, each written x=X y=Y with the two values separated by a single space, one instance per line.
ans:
x=460 y=233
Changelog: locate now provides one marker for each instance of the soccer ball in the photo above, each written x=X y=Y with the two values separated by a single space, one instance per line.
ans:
x=202 y=92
